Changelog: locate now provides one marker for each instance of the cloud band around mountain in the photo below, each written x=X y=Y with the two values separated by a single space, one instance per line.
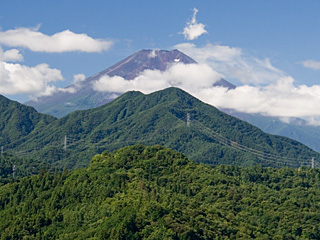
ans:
x=186 y=76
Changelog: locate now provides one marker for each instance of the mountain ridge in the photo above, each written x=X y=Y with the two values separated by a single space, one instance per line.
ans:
x=161 y=118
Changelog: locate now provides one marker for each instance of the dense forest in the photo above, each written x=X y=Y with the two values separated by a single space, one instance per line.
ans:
x=13 y=167
x=140 y=192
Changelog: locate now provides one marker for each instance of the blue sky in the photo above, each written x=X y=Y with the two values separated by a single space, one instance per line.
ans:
x=265 y=40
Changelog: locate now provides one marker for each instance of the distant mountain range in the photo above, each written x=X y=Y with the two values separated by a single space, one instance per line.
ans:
x=85 y=97
x=172 y=118
x=296 y=129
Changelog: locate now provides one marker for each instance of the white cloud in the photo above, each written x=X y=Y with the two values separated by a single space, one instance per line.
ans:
x=20 y=79
x=233 y=63
x=65 y=41
x=311 y=64
x=280 y=99
x=67 y=90
x=12 y=55
x=152 y=54
x=190 y=77
x=78 y=78
x=193 y=30
x=76 y=84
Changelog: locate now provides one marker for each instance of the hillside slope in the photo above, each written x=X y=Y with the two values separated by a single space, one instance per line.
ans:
x=210 y=136
x=18 y=120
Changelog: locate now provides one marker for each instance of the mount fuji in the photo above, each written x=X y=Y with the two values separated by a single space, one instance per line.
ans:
x=84 y=96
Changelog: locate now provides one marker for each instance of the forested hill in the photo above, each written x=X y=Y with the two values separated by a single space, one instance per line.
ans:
x=18 y=120
x=172 y=118
x=155 y=193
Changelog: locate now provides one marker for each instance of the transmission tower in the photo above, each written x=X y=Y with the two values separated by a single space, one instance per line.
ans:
x=14 y=171
x=188 y=120
x=312 y=163
x=65 y=143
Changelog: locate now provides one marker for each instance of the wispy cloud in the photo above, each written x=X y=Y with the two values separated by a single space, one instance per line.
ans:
x=193 y=30
x=65 y=41
x=315 y=65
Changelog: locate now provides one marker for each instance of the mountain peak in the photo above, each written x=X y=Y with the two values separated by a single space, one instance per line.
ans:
x=132 y=66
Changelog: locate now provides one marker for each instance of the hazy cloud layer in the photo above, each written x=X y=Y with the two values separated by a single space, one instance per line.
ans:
x=311 y=64
x=19 y=79
x=233 y=63
x=65 y=41
x=193 y=30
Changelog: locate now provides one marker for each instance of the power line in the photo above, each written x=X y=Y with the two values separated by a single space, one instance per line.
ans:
x=266 y=157
x=260 y=154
